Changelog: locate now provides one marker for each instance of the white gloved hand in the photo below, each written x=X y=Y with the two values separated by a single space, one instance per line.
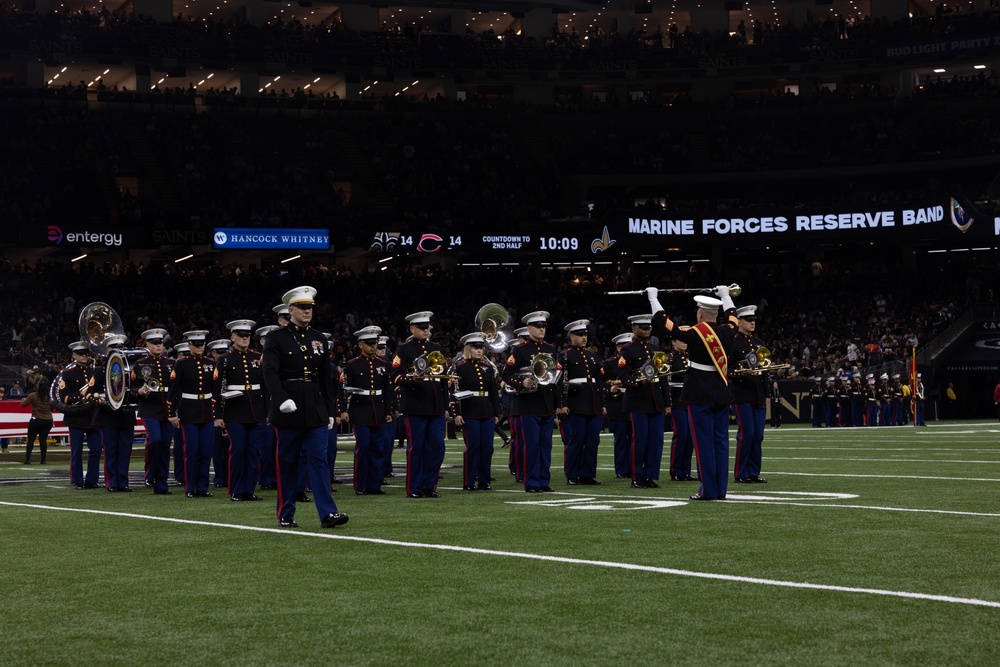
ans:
x=288 y=406
x=723 y=293
x=332 y=420
x=652 y=294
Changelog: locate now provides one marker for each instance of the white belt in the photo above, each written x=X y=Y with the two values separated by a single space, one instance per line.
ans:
x=242 y=387
x=462 y=395
x=197 y=397
x=701 y=367
x=363 y=392
x=580 y=380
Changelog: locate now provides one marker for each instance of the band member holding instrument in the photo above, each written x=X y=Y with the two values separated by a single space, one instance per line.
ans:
x=681 y=443
x=516 y=455
x=750 y=396
x=647 y=400
x=365 y=401
x=618 y=421
x=583 y=406
x=118 y=430
x=238 y=382
x=534 y=404
x=706 y=384
x=423 y=401
x=297 y=375
x=267 y=475
x=181 y=351
x=388 y=429
x=153 y=371
x=476 y=410
x=192 y=407
x=73 y=391
x=220 y=452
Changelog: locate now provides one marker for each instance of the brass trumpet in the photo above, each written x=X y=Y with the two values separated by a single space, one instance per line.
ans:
x=734 y=290
x=757 y=362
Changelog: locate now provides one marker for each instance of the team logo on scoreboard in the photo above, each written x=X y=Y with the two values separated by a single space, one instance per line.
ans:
x=384 y=242
x=960 y=216
x=602 y=244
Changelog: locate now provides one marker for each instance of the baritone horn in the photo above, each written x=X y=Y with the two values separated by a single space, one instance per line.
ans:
x=432 y=366
x=493 y=321
x=543 y=370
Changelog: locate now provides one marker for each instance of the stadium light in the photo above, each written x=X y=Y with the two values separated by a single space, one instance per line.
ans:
x=290 y=259
x=77 y=259
x=178 y=261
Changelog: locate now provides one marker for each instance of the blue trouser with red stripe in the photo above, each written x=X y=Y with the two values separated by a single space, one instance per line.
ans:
x=244 y=455
x=95 y=444
x=749 y=440
x=117 y=454
x=388 y=435
x=199 y=444
x=368 y=452
x=159 y=433
x=681 y=446
x=647 y=445
x=534 y=433
x=622 y=432
x=424 y=452
x=710 y=432
x=294 y=445
x=478 y=456
x=583 y=437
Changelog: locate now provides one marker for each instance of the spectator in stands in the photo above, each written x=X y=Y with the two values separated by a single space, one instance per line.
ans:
x=40 y=423
x=17 y=391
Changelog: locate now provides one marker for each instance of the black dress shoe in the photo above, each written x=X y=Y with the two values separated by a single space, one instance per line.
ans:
x=758 y=480
x=532 y=489
x=336 y=519
x=689 y=478
x=125 y=489
x=638 y=485
x=650 y=484
x=374 y=492
x=390 y=474
x=547 y=489
x=359 y=492
x=590 y=481
x=742 y=480
x=91 y=486
x=162 y=492
x=112 y=490
x=573 y=481
x=302 y=498
x=485 y=487
x=148 y=484
x=189 y=494
x=431 y=494
x=617 y=476
x=251 y=496
x=698 y=496
x=677 y=478
x=287 y=522
x=237 y=498
x=469 y=487
x=79 y=487
x=268 y=487
x=202 y=494
x=416 y=494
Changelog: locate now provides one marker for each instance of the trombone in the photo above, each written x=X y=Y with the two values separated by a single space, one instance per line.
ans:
x=757 y=362
x=734 y=290
x=657 y=367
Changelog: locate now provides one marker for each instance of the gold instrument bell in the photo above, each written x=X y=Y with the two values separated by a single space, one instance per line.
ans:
x=758 y=362
x=432 y=365
x=493 y=322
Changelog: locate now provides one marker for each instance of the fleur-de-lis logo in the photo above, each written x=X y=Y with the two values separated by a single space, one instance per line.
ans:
x=603 y=243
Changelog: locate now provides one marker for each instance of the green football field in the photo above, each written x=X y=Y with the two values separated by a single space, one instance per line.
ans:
x=867 y=547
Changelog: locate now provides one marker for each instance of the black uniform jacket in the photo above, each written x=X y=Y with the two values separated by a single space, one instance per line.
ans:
x=422 y=396
x=483 y=381
x=582 y=382
x=149 y=368
x=239 y=371
x=702 y=386
x=297 y=367
x=613 y=401
x=190 y=396
x=647 y=397
x=678 y=361
x=365 y=390
x=74 y=386
x=543 y=401
x=747 y=389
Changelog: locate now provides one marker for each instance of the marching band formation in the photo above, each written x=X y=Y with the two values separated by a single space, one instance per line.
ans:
x=267 y=414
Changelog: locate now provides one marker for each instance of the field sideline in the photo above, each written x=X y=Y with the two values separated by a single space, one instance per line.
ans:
x=868 y=546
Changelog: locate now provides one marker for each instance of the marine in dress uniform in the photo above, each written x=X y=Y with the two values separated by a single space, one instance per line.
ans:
x=647 y=400
x=365 y=402
x=533 y=406
x=816 y=402
x=267 y=475
x=331 y=435
x=618 y=421
x=151 y=374
x=220 y=453
x=920 y=401
x=844 y=401
x=896 y=390
x=297 y=376
x=74 y=391
x=583 y=408
x=681 y=443
x=857 y=395
x=884 y=400
x=475 y=407
x=118 y=430
x=706 y=384
x=423 y=401
x=516 y=454
x=388 y=429
x=181 y=351
x=192 y=409
x=750 y=397
x=871 y=401
x=238 y=383
x=830 y=402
